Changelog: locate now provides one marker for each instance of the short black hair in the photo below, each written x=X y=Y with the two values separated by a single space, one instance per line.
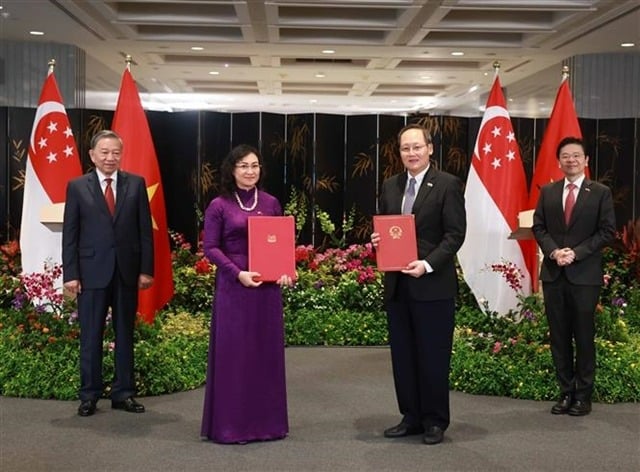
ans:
x=425 y=132
x=570 y=140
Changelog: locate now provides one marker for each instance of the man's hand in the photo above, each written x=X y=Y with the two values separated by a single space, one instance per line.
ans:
x=144 y=281
x=564 y=256
x=415 y=269
x=73 y=286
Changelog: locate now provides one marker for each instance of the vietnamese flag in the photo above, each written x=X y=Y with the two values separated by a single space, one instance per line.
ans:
x=493 y=265
x=562 y=123
x=53 y=161
x=139 y=157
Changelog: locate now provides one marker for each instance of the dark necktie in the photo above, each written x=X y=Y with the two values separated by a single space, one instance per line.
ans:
x=409 y=197
x=569 y=203
x=109 y=197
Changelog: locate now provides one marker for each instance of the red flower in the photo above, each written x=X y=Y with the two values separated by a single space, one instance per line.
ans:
x=203 y=266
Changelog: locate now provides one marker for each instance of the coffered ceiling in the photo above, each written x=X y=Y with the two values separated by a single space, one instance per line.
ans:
x=347 y=57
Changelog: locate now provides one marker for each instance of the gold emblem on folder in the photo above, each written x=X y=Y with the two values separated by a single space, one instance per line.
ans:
x=395 y=232
x=271 y=238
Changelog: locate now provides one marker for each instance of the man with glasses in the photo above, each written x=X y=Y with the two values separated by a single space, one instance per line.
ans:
x=574 y=219
x=420 y=300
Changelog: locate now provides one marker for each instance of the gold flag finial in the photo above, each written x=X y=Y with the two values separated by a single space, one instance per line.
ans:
x=52 y=65
x=496 y=68
x=565 y=72
x=128 y=60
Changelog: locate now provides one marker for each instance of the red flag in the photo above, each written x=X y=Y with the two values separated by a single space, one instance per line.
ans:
x=53 y=161
x=495 y=193
x=562 y=123
x=139 y=157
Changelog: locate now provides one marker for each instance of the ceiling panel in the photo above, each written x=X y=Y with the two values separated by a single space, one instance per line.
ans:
x=392 y=56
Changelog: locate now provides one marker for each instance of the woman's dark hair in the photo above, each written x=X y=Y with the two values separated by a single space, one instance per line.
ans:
x=227 y=180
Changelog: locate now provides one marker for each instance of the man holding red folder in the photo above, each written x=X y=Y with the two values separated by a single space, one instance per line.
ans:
x=420 y=299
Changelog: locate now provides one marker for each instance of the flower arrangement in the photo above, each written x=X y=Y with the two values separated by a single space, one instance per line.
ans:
x=337 y=300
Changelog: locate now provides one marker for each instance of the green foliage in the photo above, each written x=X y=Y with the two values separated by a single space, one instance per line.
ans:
x=337 y=300
x=193 y=278
x=311 y=327
x=170 y=355
x=297 y=207
x=316 y=312
x=328 y=227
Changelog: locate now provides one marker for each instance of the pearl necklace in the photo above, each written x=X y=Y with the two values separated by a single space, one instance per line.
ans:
x=255 y=201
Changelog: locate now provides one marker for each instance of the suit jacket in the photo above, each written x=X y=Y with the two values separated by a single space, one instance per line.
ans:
x=95 y=244
x=591 y=227
x=440 y=229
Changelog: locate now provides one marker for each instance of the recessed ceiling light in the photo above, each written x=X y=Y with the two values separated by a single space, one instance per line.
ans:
x=197 y=48
x=627 y=45
x=320 y=75
x=226 y=65
x=313 y=100
x=473 y=88
x=457 y=53
x=36 y=33
x=214 y=72
x=328 y=51
x=425 y=77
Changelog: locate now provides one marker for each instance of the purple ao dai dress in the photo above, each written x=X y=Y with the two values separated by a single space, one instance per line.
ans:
x=245 y=395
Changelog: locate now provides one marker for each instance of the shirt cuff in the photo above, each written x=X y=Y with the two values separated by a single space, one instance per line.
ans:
x=428 y=269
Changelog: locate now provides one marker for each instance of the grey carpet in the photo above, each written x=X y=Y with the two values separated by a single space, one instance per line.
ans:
x=340 y=400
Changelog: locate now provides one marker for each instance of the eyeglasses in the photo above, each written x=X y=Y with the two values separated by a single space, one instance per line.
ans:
x=415 y=148
x=246 y=167
x=575 y=155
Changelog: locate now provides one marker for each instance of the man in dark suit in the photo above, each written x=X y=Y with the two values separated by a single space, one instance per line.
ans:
x=420 y=300
x=573 y=220
x=107 y=254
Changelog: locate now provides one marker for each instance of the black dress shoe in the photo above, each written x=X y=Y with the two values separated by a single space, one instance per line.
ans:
x=580 y=408
x=562 y=406
x=128 y=404
x=403 y=429
x=87 y=408
x=433 y=435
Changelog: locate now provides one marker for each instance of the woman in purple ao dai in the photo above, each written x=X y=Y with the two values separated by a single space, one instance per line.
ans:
x=245 y=395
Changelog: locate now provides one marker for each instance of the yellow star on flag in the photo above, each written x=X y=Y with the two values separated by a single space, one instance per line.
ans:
x=151 y=191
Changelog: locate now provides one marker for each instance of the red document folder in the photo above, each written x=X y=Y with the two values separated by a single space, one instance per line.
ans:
x=272 y=250
x=397 y=246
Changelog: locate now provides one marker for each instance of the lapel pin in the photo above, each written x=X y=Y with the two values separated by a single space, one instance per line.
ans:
x=429 y=184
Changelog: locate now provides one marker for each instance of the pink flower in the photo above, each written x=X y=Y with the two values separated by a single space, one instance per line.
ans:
x=511 y=273
x=497 y=347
